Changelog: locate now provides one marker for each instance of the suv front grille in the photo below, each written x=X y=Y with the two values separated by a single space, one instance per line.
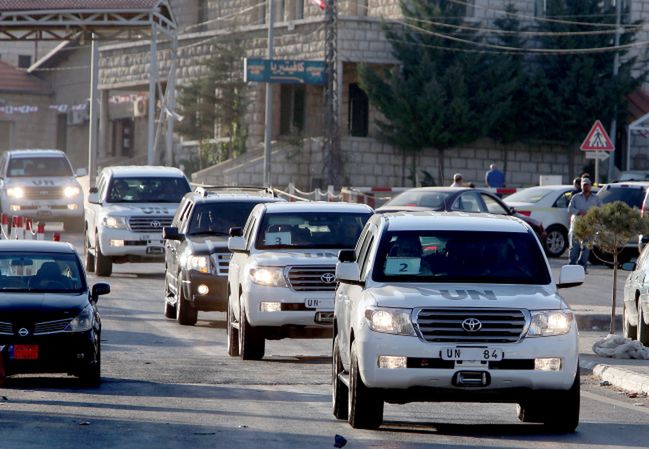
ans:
x=148 y=224
x=445 y=325
x=221 y=263
x=42 y=193
x=312 y=278
x=6 y=329
x=51 y=327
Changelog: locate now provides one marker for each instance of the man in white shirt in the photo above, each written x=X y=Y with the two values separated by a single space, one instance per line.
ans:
x=457 y=180
x=579 y=205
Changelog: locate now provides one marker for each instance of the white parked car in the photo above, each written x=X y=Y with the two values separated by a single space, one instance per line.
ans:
x=281 y=278
x=636 y=299
x=549 y=205
x=453 y=308
x=40 y=184
x=126 y=212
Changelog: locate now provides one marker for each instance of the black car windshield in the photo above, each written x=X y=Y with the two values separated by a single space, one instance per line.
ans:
x=41 y=272
x=218 y=218
x=310 y=230
x=632 y=195
x=147 y=190
x=460 y=256
x=29 y=167
x=431 y=199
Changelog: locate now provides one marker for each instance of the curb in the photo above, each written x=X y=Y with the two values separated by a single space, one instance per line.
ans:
x=618 y=377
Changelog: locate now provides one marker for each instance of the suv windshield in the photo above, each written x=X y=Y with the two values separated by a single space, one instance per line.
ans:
x=460 y=256
x=41 y=272
x=434 y=200
x=147 y=190
x=630 y=194
x=27 y=167
x=310 y=230
x=218 y=218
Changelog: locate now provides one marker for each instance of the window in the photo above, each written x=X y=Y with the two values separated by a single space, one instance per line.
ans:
x=362 y=7
x=39 y=166
x=41 y=272
x=359 y=106
x=292 y=109
x=218 y=218
x=24 y=61
x=123 y=131
x=564 y=200
x=470 y=8
x=540 y=8
x=493 y=206
x=281 y=11
x=468 y=202
x=147 y=190
x=261 y=12
x=299 y=9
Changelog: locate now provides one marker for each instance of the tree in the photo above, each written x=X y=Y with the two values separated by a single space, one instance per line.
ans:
x=610 y=227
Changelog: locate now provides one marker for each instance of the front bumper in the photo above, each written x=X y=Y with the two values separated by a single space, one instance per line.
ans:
x=43 y=209
x=217 y=297
x=133 y=246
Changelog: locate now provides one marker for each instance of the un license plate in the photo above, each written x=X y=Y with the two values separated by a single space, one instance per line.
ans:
x=483 y=354
x=311 y=303
x=23 y=352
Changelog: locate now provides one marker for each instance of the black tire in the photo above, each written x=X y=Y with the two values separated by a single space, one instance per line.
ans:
x=88 y=257
x=232 y=333
x=73 y=224
x=628 y=330
x=365 y=406
x=252 y=344
x=340 y=393
x=90 y=376
x=556 y=241
x=169 y=309
x=103 y=264
x=557 y=410
x=186 y=313
x=643 y=327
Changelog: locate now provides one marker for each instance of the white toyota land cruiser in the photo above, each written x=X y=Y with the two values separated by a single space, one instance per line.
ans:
x=126 y=212
x=281 y=278
x=40 y=184
x=450 y=307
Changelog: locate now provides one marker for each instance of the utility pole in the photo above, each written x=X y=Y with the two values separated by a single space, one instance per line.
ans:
x=269 y=98
x=331 y=141
x=616 y=70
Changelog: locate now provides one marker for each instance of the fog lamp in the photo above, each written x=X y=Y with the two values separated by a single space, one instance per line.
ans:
x=118 y=243
x=203 y=289
x=270 y=306
x=73 y=206
x=392 y=362
x=549 y=364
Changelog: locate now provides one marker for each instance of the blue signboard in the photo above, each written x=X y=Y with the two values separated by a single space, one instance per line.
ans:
x=284 y=71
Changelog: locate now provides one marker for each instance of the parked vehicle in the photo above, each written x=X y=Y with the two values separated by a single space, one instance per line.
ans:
x=49 y=321
x=196 y=252
x=126 y=213
x=449 y=308
x=40 y=184
x=636 y=299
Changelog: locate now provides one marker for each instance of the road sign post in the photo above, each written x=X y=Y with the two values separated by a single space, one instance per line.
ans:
x=597 y=145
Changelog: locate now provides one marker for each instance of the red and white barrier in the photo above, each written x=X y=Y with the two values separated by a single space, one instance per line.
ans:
x=29 y=233
x=40 y=231
x=5 y=226
x=22 y=228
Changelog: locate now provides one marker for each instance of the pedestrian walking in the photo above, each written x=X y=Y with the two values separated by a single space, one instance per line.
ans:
x=494 y=177
x=580 y=204
x=458 y=181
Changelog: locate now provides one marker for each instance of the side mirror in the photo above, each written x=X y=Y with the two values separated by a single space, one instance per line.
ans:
x=628 y=266
x=348 y=272
x=346 y=255
x=100 y=288
x=571 y=276
x=236 y=232
x=81 y=172
x=236 y=244
x=171 y=233
x=512 y=209
x=93 y=197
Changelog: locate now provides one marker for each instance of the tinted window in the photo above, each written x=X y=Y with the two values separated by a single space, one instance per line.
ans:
x=218 y=218
x=39 y=166
x=434 y=200
x=494 y=206
x=460 y=256
x=631 y=195
x=310 y=230
x=38 y=272
x=147 y=190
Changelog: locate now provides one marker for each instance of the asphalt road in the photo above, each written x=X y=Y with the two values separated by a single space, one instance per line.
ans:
x=169 y=386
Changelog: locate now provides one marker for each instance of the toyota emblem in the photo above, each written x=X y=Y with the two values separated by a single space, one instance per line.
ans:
x=472 y=325
x=23 y=332
x=328 y=278
x=155 y=224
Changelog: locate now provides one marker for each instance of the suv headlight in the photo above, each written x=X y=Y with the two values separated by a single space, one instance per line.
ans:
x=115 y=222
x=71 y=191
x=547 y=323
x=16 y=192
x=82 y=322
x=269 y=276
x=390 y=321
x=201 y=264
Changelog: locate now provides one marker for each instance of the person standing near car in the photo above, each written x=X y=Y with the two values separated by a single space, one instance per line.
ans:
x=494 y=177
x=458 y=180
x=579 y=205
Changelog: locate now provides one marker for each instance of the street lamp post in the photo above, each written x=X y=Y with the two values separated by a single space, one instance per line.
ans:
x=269 y=99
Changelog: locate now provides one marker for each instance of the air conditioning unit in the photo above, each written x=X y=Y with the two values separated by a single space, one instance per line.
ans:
x=140 y=107
x=77 y=117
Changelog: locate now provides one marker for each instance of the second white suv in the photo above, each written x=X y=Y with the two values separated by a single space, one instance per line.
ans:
x=281 y=278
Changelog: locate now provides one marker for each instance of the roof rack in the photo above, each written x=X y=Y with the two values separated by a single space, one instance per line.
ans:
x=205 y=190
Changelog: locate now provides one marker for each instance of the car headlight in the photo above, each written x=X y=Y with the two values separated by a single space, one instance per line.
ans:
x=547 y=323
x=16 y=192
x=270 y=276
x=390 y=321
x=198 y=263
x=115 y=222
x=71 y=191
x=82 y=322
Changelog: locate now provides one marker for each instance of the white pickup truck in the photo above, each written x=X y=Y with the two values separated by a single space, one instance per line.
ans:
x=281 y=278
x=454 y=308
x=126 y=212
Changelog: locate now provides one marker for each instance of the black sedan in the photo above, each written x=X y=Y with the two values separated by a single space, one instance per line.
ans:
x=49 y=321
x=463 y=199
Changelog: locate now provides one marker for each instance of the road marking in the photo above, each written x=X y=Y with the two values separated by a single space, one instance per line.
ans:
x=599 y=398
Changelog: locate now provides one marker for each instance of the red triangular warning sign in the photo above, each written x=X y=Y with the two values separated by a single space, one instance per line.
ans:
x=597 y=139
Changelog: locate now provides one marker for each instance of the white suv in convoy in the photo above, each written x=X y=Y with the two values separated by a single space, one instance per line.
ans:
x=126 y=212
x=447 y=307
x=40 y=184
x=281 y=278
